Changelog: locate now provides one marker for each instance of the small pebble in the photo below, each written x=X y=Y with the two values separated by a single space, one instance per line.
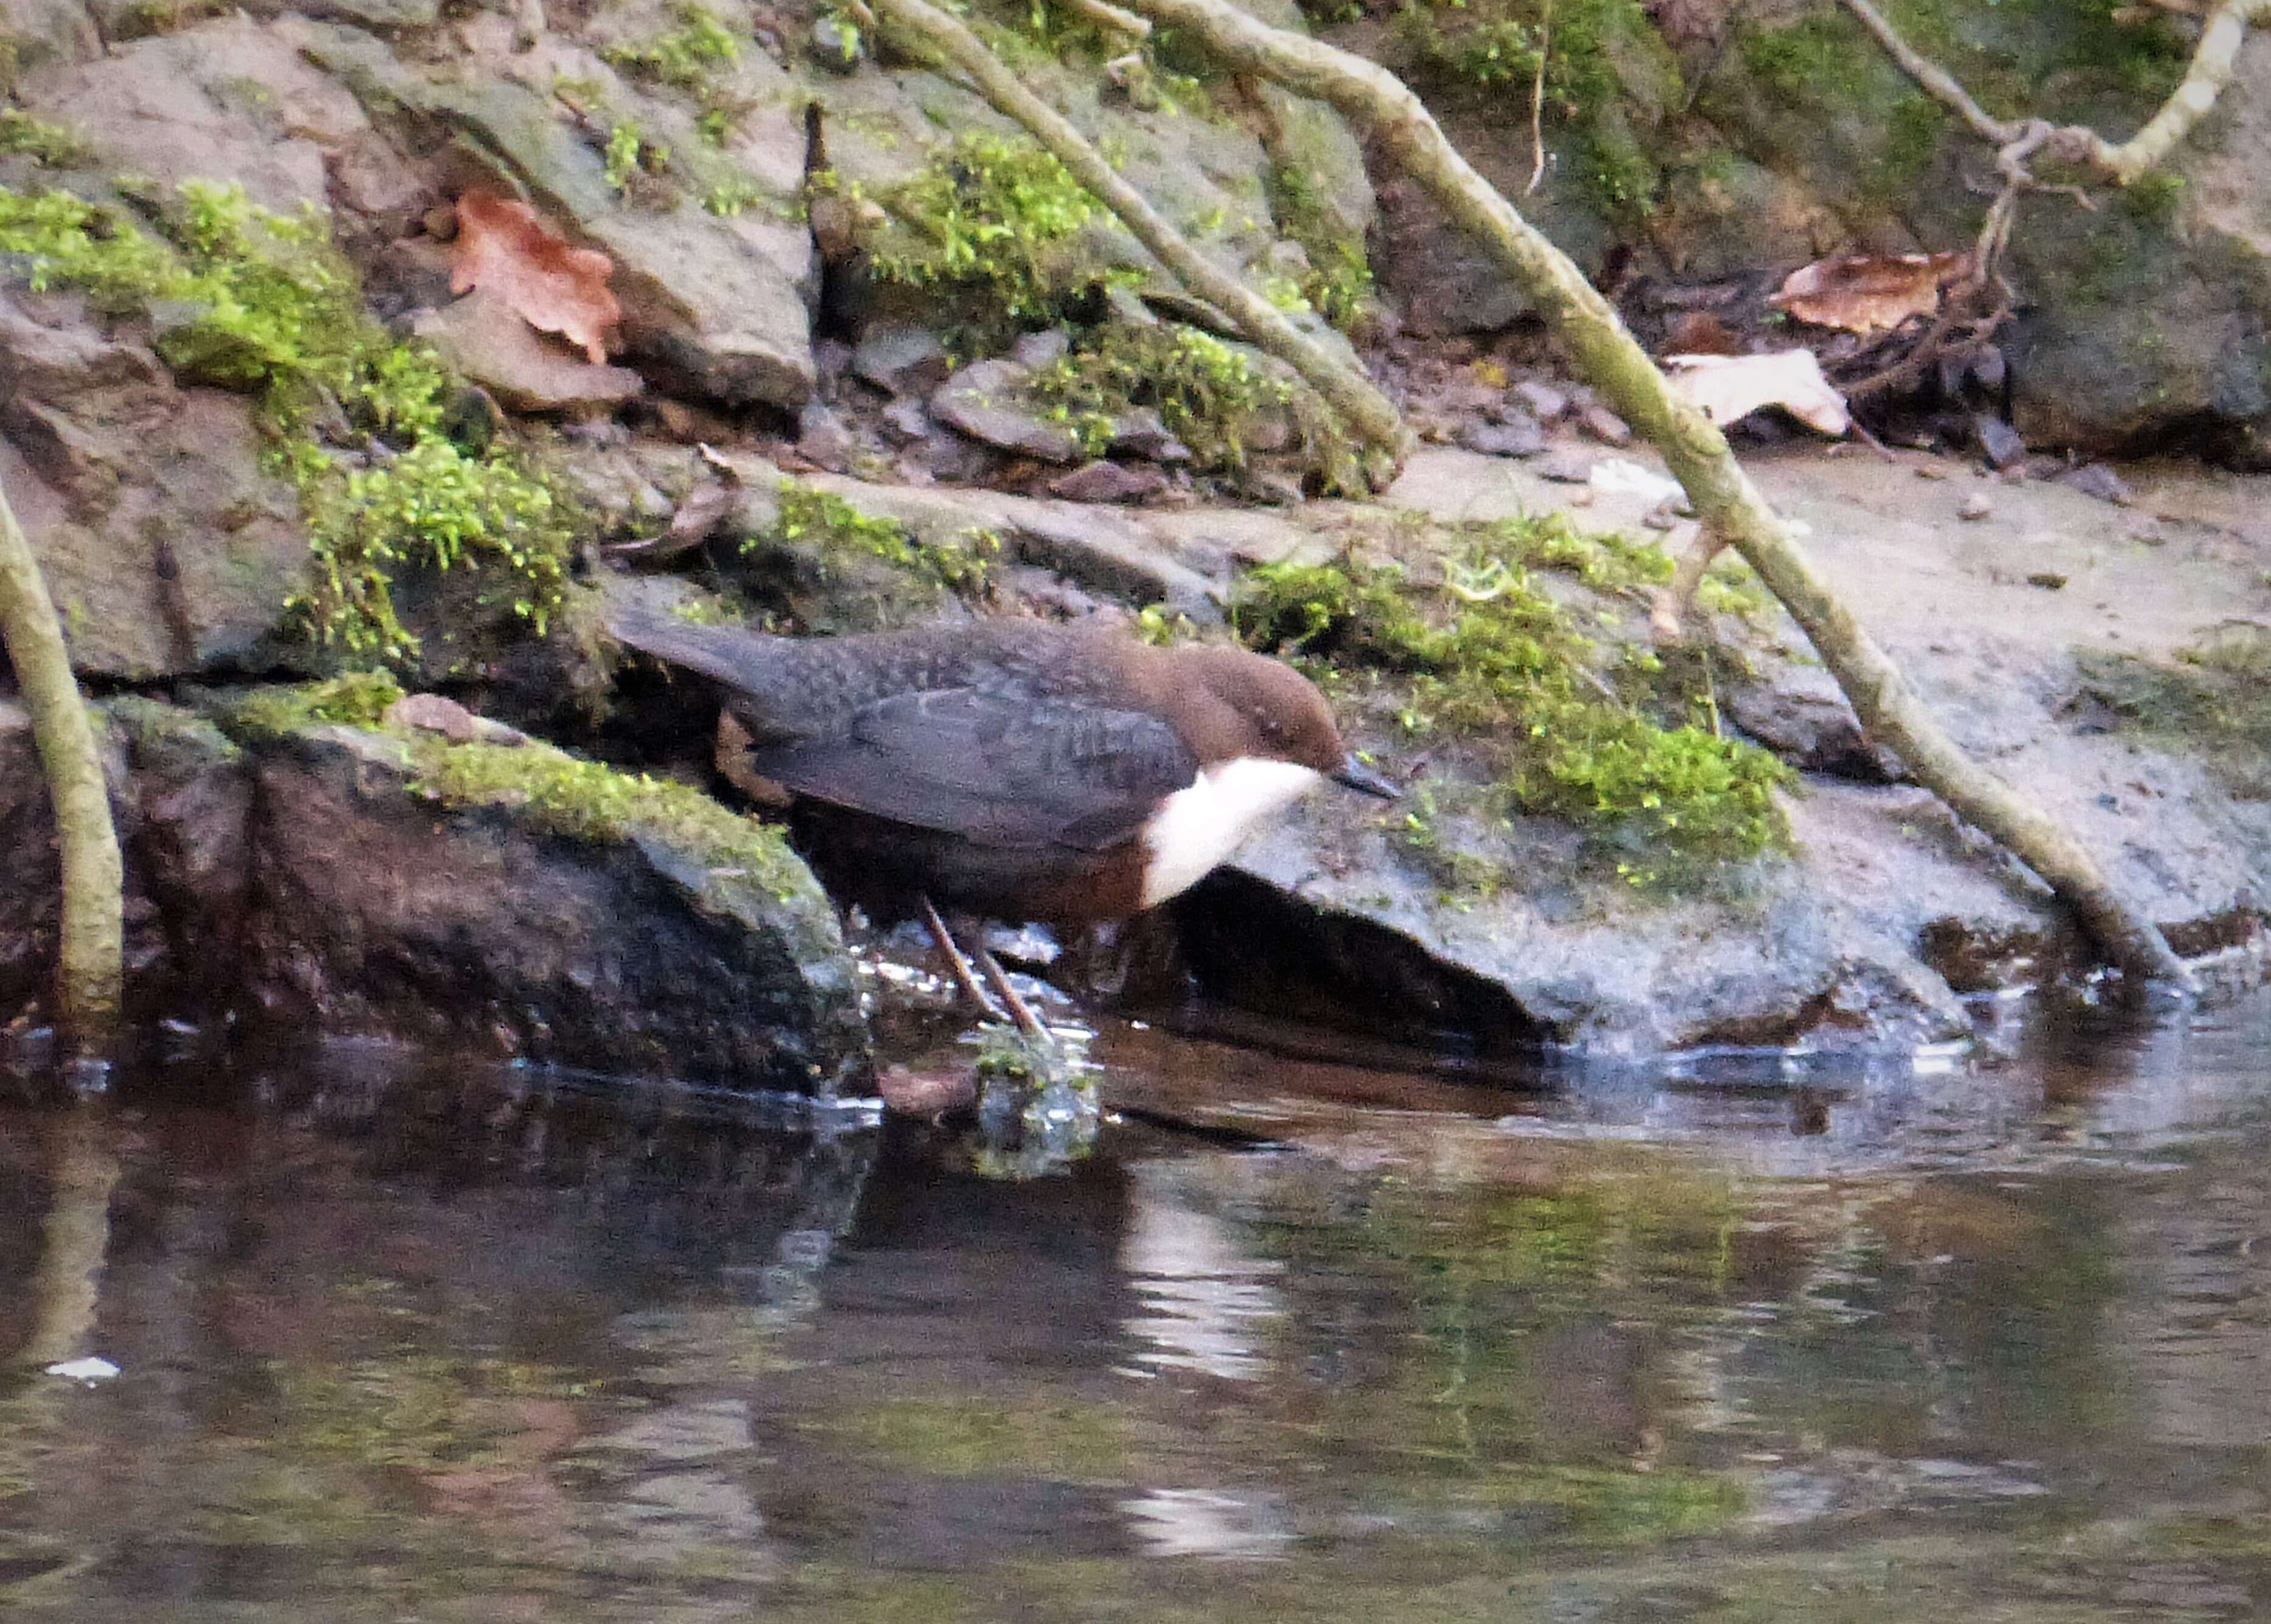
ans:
x=1999 y=442
x=2049 y=580
x=1975 y=506
x=1544 y=401
x=1605 y=426
x=2097 y=479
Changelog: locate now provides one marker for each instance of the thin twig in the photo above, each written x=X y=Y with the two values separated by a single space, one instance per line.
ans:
x=1936 y=80
x=2212 y=68
x=1538 y=98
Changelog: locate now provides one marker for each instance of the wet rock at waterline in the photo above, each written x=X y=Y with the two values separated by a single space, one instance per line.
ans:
x=396 y=885
x=560 y=912
x=182 y=803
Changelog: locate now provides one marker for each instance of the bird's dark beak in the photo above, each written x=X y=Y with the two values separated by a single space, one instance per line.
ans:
x=1356 y=775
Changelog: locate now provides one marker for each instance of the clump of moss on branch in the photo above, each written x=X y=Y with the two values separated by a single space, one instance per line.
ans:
x=278 y=312
x=1610 y=741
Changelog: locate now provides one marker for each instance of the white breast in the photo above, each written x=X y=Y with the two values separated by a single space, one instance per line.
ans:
x=1197 y=828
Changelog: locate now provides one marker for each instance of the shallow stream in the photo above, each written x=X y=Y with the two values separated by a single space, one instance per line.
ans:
x=402 y=1339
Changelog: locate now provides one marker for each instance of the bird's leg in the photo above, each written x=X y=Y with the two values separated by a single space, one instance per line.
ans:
x=1020 y=1012
x=958 y=966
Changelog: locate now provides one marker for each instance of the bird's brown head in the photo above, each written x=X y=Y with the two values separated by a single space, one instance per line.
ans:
x=1238 y=703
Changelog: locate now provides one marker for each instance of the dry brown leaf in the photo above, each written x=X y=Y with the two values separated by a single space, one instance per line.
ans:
x=502 y=245
x=1867 y=293
x=1727 y=387
x=1699 y=333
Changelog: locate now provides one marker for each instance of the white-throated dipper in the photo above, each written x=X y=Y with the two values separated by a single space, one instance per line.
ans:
x=1019 y=770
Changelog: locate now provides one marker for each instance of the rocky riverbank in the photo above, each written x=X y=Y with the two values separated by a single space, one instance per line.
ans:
x=813 y=328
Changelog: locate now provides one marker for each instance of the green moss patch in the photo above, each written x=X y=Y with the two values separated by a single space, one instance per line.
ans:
x=2215 y=702
x=1618 y=743
x=1338 y=285
x=22 y=134
x=587 y=800
x=812 y=518
x=1595 y=55
x=687 y=57
x=352 y=699
x=990 y=220
x=248 y=299
x=564 y=794
x=1207 y=392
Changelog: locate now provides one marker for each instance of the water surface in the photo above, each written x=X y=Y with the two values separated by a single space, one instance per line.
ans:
x=402 y=1339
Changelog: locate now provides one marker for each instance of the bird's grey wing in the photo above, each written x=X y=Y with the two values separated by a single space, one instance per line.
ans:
x=1000 y=764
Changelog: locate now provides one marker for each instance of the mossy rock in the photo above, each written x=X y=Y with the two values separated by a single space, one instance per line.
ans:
x=715 y=305
x=2142 y=317
x=531 y=903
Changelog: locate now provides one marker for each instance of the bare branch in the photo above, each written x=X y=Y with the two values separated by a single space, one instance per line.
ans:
x=89 y=972
x=1538 y=98
x=1937 y=81
x=2212 y=67
x=1725 y=500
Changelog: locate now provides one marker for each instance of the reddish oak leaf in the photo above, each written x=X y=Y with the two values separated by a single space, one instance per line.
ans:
x=1866 y=293
x=502 y=245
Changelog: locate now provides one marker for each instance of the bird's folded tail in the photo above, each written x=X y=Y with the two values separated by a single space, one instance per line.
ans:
x=649 y=614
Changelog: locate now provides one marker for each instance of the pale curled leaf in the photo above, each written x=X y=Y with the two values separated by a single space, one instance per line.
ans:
x=1869 y=292
x=1727 y=387
x=503 y=246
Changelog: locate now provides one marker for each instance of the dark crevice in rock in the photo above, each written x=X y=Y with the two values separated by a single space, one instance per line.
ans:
x=1248 y=945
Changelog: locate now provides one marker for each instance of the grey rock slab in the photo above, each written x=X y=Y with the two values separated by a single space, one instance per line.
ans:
x=902 y=359
x=230 y=99
x=1140 y=433
x=985 y=401
x=1524 y=439
x=168 y=545
x=1101 y=551
x=483 y=337
x=1108 y=481
x=1777 y=964
x=710 y=308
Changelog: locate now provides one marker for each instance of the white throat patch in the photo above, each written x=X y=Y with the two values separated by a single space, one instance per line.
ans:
x=1197 y=828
